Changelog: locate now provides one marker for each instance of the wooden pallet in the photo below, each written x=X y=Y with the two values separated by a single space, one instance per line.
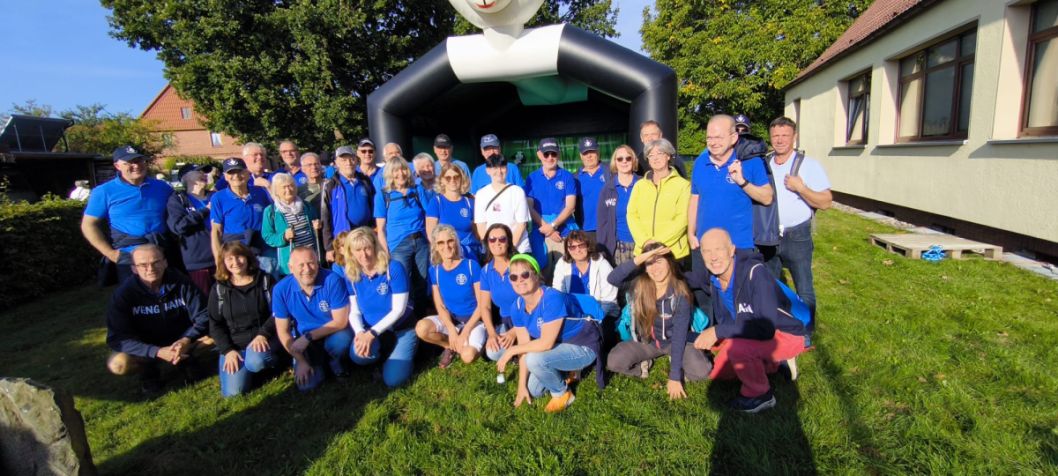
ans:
x=912 y=245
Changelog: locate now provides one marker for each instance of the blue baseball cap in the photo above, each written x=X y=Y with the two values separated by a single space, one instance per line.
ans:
x=490 y=140
x=126 y=153
x=588 y=144
x=233 y=163
x=549 y=144
x=742 y=120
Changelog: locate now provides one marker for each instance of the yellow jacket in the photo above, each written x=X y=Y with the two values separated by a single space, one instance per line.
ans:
x=660 y=212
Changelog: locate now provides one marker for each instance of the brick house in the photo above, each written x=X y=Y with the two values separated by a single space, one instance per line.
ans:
x=177 y=116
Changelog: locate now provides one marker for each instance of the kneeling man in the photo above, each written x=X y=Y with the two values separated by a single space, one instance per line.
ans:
x=159 y=317
x=753 y=325
x=317 y=301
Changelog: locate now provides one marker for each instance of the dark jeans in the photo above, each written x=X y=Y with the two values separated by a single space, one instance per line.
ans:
x=795 y=253
x=413 y=253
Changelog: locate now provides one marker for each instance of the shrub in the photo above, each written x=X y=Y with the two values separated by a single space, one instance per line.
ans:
x=169 y=163
x=41 y=249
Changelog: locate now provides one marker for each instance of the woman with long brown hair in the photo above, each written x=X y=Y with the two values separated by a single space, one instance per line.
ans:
x=661 y=306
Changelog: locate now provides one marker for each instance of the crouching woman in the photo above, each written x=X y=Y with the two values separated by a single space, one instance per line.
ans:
x=551 y=335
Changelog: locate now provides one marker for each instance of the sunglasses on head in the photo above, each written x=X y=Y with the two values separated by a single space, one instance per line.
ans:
x=624 y=158
x=520 y=276
x=497 y=239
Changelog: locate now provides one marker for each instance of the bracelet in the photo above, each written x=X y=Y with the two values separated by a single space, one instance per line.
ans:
x=743 y=185
x=308 y=336
x=372 y=332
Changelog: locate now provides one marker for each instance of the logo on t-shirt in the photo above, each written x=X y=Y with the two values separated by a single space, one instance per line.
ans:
x=539 y=323
x=382 y=289
x=325 y=307
x=461 y=279
x=729 y=179
x=257 y=207
x=743 y=307
x=611 y=202
x=560 y=185
x=602 y=178
x=496 y=207
x=463 y=212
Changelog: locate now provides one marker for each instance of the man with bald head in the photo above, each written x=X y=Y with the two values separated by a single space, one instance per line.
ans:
x=159 y=317
x=255 y=157
x=753 y=325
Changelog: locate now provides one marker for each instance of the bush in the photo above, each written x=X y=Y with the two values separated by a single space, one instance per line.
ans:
x=169 y=163
x=41 y=249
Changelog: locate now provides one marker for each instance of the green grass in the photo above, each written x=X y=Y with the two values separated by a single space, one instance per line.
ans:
x=919 y=368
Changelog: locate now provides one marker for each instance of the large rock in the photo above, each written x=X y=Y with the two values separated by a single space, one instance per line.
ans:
x=40 y=431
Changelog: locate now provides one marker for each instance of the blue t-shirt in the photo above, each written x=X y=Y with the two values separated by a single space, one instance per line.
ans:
x=553 y=305
x=722 y=203
x=727 y=298
x=374 y=294
x=131 y=210
x=549 y=194
x=222 y=183
x=309 y=312
x=357 y=205
x=588 y=187
x=457 y=287
x=481 y=178
x=377 y=178
x=463 y=165
x=458 y=214
x=404 y=216
x=299 y=178
x=499 y=286
x=623 y=195
x=578 y=283
x=237 y=215
x=329 y=171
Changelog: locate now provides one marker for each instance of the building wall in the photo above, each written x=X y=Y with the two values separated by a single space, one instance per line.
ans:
x=198 y=143
x=992 y=178
x=190 y=136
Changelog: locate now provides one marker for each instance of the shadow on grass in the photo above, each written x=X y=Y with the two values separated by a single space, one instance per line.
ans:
x=283 y=434
x=771 y=442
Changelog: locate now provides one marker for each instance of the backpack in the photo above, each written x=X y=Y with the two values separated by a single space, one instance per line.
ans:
x=412 y=195
x=765 y=217
x=798 y=308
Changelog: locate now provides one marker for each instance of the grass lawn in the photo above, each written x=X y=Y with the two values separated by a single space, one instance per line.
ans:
x=918 y=368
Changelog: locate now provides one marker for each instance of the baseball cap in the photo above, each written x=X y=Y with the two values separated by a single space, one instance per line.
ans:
x=588 y=144
x=442 y=141
x=233 y=163
x=344 y=150
x=742 y=120
x=191 y=168
x=490 y=140
x=495 y=160
x=549 y=144
x=126 y=153
x=365 y=141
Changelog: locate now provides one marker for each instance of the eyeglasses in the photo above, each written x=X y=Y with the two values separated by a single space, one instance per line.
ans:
x=658 y=155
x=551 y=155
x=497 y=239
x=520 y=276
x=451 y=178
x=624 y=158
x=578 y=246
x=153 y=264
x=367 y=151
x=448 y=242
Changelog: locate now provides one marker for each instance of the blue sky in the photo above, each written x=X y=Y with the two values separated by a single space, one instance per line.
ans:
x=59 y=53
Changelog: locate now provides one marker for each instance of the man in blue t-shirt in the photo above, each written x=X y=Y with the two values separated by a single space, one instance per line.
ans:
x=348 y=199
x=490 y=145
x=590 y=181
x=134 y=206
x=288 y=152
x=552 y=194
x=311 y=309
x=442 y=149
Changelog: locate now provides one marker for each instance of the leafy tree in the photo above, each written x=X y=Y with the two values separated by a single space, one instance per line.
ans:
x=31 y=108
x=96 y=131
x=596 y=16
x=735 y=56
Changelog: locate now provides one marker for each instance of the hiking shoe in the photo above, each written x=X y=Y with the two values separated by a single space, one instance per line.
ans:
x=559 y=403
x=446 y=358
x=753 y=404
x=788 y=369
x=644 y=368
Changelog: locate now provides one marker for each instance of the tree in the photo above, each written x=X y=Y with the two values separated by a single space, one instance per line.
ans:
x=31 y=108
x=596 y=16
x=735 y=56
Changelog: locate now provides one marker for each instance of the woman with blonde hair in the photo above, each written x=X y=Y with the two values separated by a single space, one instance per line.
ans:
x=289 y=222
x=453 y=205
x=613 y=234
x=379 y=307
x=456 y=283
x=400 y=218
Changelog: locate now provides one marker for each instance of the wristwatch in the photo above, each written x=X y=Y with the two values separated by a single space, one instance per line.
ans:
x=372 y=332
x=743 y=184
x=308 y=336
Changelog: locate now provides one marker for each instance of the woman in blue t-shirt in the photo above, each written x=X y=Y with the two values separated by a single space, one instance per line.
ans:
x=455 y=280
x=379 y=308
x=553 y=339
x=614 y=236
x=497 y=295
x=453 y=206
x=400 y=216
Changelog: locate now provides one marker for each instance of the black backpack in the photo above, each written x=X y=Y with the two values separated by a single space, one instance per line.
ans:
x=765 y=217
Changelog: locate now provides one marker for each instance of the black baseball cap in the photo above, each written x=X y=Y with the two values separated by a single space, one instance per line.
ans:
x=549 y=144
x=233 y=163
x=588 y=144
x=442 y=141
x=126 y=153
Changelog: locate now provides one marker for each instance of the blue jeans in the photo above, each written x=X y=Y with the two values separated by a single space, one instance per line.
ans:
x=414 y=250
x=253 y=362
x=495 y=355
x=332 y=350
x=400 y=346
x=795 y=253
x=546 y=369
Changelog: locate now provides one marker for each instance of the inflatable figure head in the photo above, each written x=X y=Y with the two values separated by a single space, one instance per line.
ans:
x=486 y=14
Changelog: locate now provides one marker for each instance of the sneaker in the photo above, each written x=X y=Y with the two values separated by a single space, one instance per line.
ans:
x=446 y=358
x=788 y=369
x=644 y=368
x=754 y=404
x=559 y=403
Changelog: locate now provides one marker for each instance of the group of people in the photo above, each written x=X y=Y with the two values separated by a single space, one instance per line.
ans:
x=557 y=271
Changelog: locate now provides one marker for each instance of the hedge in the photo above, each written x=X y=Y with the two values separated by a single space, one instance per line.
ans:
x=41 y=249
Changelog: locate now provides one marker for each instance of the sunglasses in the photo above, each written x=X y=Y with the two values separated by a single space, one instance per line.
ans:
x=451 y=178
x=578 y=246
x=367 y=151
x=497 y=239
x=520 y=276
x=551 y=155
x=624 y=158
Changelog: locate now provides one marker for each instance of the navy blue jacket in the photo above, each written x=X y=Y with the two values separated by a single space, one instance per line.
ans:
x=761 y=308
x=191 y=228
x=140 y=321
x=606 y=217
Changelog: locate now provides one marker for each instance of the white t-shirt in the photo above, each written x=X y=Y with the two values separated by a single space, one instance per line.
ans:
x=509 y=208
x=793 y=210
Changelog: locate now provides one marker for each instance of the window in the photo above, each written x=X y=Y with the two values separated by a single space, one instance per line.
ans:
x=1041 y=91
x=214 y=138
x=185 y=113
x=858 y=109
x=936 y=84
